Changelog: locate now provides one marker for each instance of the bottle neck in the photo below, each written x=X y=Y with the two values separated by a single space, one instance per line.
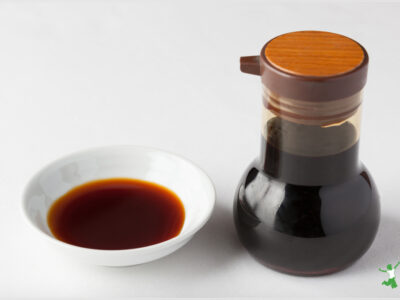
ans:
x=309 y=153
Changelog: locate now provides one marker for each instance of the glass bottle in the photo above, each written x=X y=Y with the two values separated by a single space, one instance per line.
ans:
x=307 y=205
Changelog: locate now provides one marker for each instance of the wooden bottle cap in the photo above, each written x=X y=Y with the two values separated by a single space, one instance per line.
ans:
x=314 y=53
x=311 y=66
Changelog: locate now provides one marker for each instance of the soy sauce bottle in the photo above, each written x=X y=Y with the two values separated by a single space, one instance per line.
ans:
x=308 y=206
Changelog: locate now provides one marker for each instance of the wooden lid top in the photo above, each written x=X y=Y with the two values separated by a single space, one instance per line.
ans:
x=314 y=53
x=312 y=66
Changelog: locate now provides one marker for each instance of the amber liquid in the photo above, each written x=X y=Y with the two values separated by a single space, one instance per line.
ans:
x=115 y=214
x=304 y=214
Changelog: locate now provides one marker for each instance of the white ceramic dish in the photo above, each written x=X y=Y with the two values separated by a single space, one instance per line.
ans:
x=190 y=183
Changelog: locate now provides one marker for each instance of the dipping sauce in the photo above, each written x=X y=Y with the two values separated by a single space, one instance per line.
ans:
x=115 y=214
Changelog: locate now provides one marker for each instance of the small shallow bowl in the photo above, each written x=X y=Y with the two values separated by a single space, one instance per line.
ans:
x=190 y=183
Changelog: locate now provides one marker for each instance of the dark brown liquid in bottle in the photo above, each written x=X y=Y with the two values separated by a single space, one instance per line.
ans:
x=115 y=214
x=307 y=214
x=309 y=155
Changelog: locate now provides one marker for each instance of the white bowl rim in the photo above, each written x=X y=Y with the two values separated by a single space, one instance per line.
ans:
x=140 y=250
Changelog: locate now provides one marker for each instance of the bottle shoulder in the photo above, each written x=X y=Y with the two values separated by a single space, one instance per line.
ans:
x=361 y=177
x=310 y=211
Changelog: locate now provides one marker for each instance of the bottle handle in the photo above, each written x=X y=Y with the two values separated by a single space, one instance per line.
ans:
x=250 y=64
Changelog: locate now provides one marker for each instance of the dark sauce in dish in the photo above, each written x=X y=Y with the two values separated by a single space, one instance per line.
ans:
x=115 y=214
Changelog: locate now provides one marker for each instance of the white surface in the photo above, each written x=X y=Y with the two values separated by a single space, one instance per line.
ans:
x=78 y=74
x=190 y=183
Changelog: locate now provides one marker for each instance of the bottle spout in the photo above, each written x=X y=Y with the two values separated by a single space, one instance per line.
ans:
x=250 y=65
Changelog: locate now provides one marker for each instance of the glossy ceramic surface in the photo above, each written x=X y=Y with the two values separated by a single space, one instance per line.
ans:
x=190 y=183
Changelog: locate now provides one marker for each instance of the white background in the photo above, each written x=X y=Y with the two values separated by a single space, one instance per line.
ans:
x=79 y=74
